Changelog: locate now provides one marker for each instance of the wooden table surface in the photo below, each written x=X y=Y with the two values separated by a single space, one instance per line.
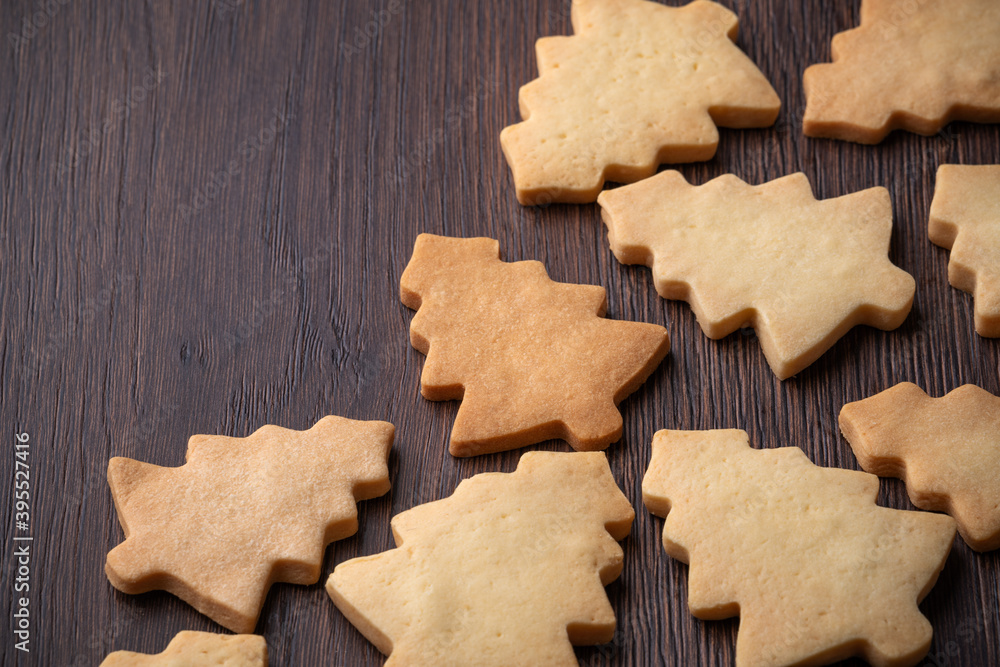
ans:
x=206 y=209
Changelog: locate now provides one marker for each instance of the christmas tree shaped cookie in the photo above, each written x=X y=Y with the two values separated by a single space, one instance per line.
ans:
x=198 y=649
x=802 y=272
x=531 y=359
x=965 y=217
x=913 y=66
x=243 y=513
x=816 y=571
x=638 y=84
x=509 y=570
x=947 y=450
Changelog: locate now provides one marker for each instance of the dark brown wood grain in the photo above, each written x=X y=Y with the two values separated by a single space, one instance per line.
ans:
x=205 y=208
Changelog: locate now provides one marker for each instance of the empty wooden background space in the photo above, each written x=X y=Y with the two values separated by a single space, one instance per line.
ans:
x=205 y=208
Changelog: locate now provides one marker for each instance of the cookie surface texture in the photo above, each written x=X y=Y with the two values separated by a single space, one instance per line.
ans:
x=198 y=649
x=947 y=450
x=965 y=218
x=912 y=66
x=530 y=358
x=508 y=570
x=637 y=84
x=816 y=571
x=802 y=272
x=243 y=513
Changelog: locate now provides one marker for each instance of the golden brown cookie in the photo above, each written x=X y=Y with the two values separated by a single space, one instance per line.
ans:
x=531 y=359
x=509 y=570
x=198 y=649
x=243 y=513
x=914 y=66
x=801 y=272
x=947 y=450
x=816 y=571
x=965 y=218
x=638 y=84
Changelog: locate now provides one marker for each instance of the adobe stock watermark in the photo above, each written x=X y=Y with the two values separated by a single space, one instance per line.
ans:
x=711 y=33
x=90 y=138
x=614 y=648
x=31 y=24
x=58 y=337
x=96 y=479
x=902 y=13
x=362 y=37
x=949 y=654
x=610 y=132
x=223 y=7
x=23 y=552
x=262 y=311
x=925 y=161
x=249 y=150
x=103 y=638
x=559 y=16
x=424 y=151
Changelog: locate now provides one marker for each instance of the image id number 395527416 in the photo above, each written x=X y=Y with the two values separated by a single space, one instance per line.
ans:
x=21 y=560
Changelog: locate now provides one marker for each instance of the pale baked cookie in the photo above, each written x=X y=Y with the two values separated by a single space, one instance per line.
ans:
x=913 y=66
x=816 y=571
x=198 y=649
x=638 y=84
x=947 y=450
x=243 y=513
x=965 y=218
x=802 y=272
x=531 y=359
x=509 y=570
